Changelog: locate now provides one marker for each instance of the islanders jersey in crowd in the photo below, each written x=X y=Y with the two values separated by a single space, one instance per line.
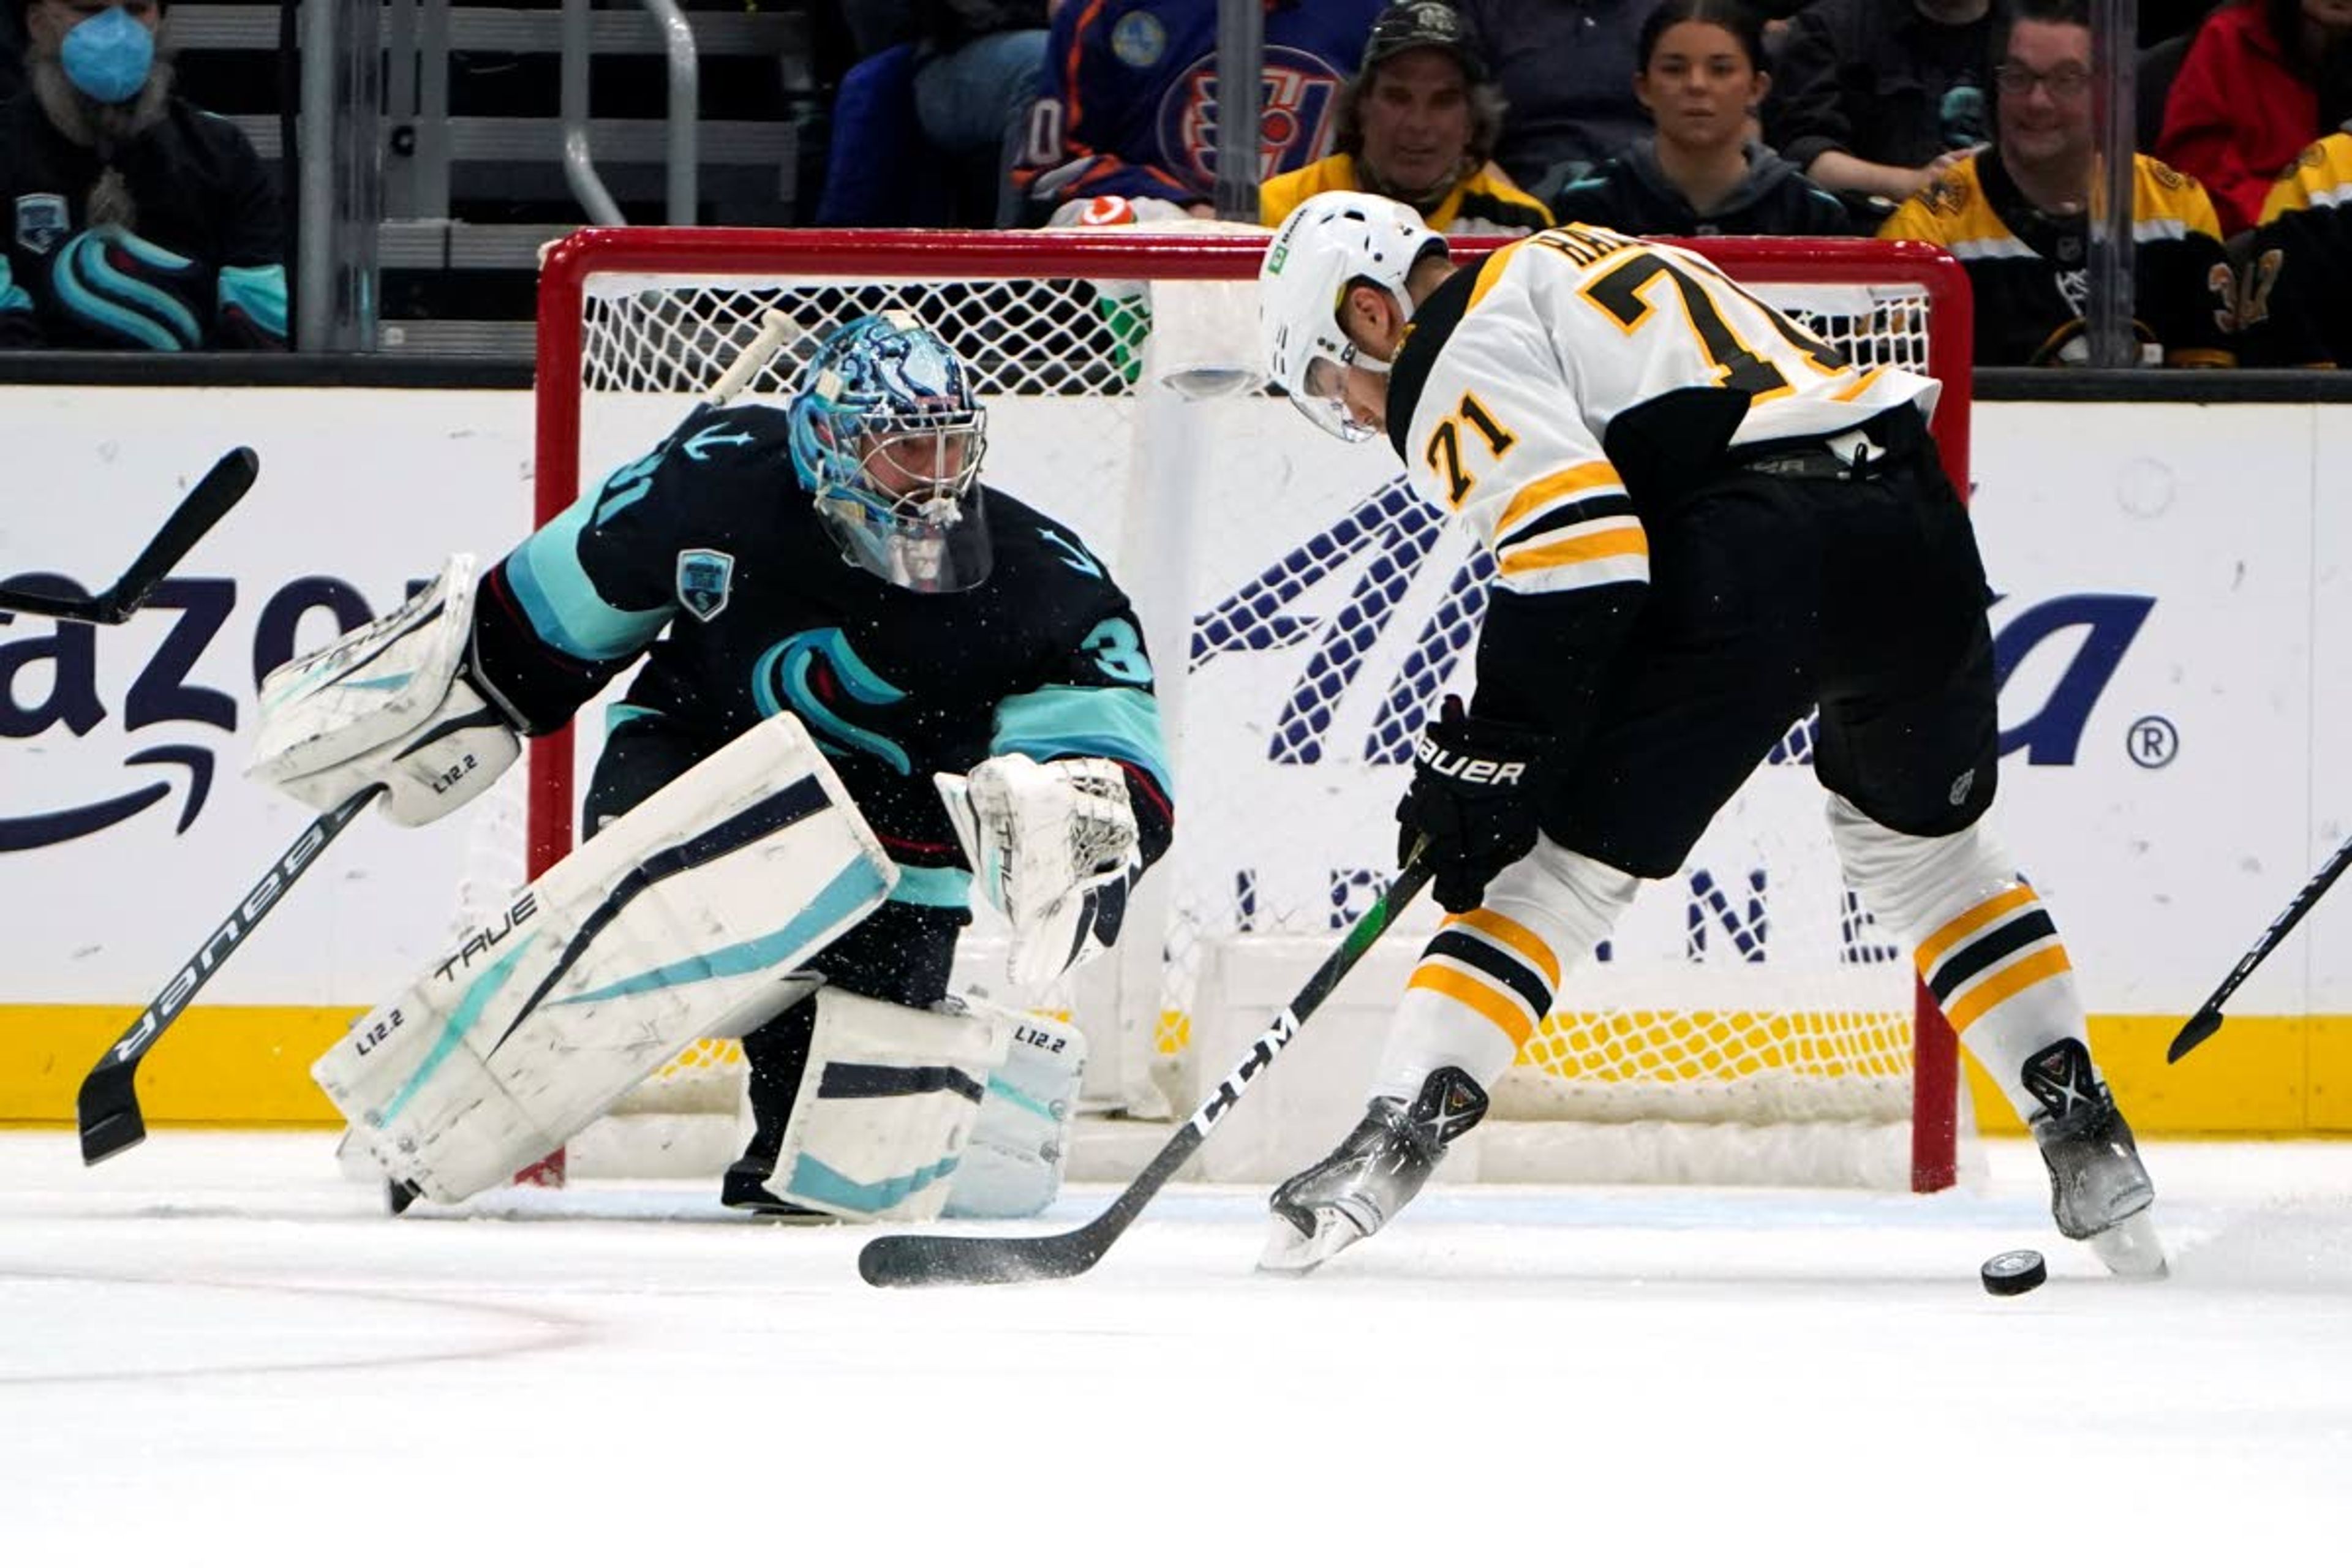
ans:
x=706 y=558
x=1129 y=107
x=2031 y=271
x=2296 y=309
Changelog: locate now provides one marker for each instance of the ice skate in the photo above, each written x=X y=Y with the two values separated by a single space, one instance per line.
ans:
x=1375 y=1171
x=2099 y=1191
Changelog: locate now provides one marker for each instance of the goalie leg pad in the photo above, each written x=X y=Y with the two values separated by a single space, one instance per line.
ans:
x=886 y=1107
x=692 y=916
x=1012 y=1168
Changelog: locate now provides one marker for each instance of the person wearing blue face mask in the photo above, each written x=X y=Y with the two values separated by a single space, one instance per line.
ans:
x=136 y=220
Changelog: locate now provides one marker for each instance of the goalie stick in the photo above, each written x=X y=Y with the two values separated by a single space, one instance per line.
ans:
x=2208 y=1018
x=890 y=1261
x=203 y=506
x=108 y=1106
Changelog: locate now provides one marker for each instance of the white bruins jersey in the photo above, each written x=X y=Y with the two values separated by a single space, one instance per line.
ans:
x=1513 y=393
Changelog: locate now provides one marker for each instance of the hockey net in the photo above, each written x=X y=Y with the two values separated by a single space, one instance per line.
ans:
x=1305 y=611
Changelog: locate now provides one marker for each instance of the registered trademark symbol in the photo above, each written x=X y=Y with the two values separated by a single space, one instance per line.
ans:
x=2154 y=741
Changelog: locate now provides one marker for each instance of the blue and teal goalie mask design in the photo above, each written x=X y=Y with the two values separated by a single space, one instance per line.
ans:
x=109 y=56
x=887 y=436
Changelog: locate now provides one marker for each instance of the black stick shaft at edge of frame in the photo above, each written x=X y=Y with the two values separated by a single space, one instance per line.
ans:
x=222 y=488
x=890 y=1261
x=108 y=1106
x=2200 y=1028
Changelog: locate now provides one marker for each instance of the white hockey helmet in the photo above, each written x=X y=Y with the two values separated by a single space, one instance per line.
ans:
x=1329 y=242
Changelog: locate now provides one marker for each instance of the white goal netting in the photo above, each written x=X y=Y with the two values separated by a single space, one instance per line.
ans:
x=1306 y=612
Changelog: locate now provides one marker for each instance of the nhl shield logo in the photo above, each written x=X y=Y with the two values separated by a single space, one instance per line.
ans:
x=41 y=222
x=704 y=578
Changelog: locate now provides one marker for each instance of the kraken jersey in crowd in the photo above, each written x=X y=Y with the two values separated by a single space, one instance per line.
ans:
x=201 y=266
x=713 y=538
x=1129 y=101
x=2297 y=305
x=1572 y=384
x=2031 y=270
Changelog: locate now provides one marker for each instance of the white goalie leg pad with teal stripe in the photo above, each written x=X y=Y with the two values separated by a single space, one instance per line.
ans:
x=1012 y=1167
x=886 y=1107
x=693 y=916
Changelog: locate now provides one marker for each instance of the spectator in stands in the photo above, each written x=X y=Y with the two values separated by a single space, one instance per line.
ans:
x=1701 y=75
x=1418 y=125
x=2246 y=101
x=1127 y=108
x=978 y=63
x=2015 y=215
x=140 y=221
x=2294 y=306
x=1874 y=99
x=1567 y=68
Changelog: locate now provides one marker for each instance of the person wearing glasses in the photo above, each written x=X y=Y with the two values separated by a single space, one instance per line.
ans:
x=2017 y=216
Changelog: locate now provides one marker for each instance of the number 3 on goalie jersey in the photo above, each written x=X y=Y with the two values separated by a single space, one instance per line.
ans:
x=1444 y=452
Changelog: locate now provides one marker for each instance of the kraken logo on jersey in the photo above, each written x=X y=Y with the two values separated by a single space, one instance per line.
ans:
x=705 y=581
x=806 y=672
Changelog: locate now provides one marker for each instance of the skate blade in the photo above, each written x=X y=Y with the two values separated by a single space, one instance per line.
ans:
x=1289 y=1252
x=2131 y=1249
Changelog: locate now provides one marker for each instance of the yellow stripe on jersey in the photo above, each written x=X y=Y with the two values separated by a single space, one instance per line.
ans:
x=1490 y=272
x=1490 y=1001
x=1932 y=950
x=1505 y=931
x=2001 y=985
x=1578 y=546
x=1570 y=484
x=2321 y=176
x=1859 y=388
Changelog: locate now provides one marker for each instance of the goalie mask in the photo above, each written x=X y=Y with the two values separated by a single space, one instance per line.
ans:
x=1331 y=242
x=887 y=434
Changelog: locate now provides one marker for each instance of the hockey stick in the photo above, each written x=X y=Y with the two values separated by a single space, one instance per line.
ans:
x=894 y=1260
x=108 y=1105
x=2208 y=1018
x=203 y=506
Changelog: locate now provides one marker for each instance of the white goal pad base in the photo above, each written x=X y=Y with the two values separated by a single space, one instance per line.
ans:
x=692 y=915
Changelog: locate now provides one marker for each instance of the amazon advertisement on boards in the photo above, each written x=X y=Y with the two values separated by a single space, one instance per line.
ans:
x=2174 y=632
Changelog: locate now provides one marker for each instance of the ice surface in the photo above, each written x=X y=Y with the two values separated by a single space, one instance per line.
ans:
x=216 y=1350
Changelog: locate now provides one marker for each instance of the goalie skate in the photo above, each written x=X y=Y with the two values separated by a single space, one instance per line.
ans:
x=1375 y=1171
x=2099 y=1191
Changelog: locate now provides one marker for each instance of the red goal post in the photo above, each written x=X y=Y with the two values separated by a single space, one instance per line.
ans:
x=676 y=282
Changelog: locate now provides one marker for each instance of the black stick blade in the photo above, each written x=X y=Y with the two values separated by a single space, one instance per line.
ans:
x=203 y=506
x=896 y=1262
x=2194 y=1032
x=107 y=1110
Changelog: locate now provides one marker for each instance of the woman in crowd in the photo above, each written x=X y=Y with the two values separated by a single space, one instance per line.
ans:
x=1700 y=73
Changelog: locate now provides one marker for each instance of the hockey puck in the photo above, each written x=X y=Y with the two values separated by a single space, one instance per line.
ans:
x=2013 y=1273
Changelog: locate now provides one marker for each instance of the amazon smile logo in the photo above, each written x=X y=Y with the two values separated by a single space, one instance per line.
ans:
x=65 y=684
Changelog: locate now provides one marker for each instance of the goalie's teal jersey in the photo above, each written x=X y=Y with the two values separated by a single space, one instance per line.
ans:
x=707 y=560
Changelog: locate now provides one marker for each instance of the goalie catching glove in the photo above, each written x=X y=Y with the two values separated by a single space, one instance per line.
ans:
x=391 y=704
x=1054 y=848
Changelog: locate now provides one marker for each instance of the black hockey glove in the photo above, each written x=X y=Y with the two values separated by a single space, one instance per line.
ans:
x=1476 y=788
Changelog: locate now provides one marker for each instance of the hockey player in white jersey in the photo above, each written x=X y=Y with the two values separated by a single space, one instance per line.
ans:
x=1704 y=523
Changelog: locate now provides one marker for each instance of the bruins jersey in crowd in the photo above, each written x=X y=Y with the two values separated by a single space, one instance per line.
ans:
x=1555 y=394
x=2296 y=308
x=2031 y=270
x=1484 y=201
